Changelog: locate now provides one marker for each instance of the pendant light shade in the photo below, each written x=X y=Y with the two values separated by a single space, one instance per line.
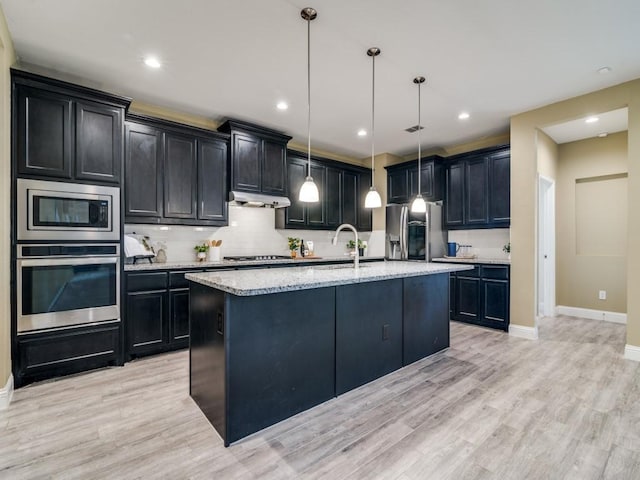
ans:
x=309 y=190
x=373 y=200
x=419 y=205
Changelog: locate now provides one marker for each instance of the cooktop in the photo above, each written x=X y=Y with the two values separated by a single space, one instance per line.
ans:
x=245 y=258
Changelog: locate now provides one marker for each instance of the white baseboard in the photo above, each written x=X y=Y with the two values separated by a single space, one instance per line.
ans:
x=530 y=333
x=631 y=352
x=613 y=317
x=6 y=393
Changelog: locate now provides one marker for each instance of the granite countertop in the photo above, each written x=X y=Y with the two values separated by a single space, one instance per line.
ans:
x=490 y=261
x=231 y=263
x=265 y=281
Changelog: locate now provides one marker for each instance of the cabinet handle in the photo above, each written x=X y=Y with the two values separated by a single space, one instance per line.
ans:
x=220 y=327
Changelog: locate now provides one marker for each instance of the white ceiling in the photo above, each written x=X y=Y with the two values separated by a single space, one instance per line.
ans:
x=493 y=58
x=579 y=129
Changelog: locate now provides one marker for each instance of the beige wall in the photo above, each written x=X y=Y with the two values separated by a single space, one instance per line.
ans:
x=547 y=155
x=524 y=166
x=591 y=223
x=7 y=58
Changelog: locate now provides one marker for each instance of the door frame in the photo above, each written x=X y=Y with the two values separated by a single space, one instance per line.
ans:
x=546 y=251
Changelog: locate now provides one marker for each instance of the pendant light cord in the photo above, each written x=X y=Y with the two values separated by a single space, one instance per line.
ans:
x=419 y=142
x=309 y=97
x=373 y=118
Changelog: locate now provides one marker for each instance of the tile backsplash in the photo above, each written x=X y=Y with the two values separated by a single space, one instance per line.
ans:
x=485 y=243
x=251 y=231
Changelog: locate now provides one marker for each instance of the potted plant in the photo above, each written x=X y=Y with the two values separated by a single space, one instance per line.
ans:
x=294 y=245
x=351 y=245
x=201 y=251
x=507 y=249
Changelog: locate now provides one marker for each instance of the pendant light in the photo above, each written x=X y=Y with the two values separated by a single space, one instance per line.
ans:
x=309 y=190
x=373 y=200
x=419 y=205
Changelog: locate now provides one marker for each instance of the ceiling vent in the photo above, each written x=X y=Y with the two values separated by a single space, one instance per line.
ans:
x=414 y=129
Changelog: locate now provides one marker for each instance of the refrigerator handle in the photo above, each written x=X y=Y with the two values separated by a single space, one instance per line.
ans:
x=404 y=227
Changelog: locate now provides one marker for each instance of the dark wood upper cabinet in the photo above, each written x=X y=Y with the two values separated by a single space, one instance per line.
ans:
x=212 y=180
x=98 y=142
x=189 y=166
x=258 y=158
x=342 y=189
x=44 y=133
x=477 y=189
x=180 y=176
x=476 y=175
x=402 y=180
x=500 y=191
x=65 y=131
x=143 y=192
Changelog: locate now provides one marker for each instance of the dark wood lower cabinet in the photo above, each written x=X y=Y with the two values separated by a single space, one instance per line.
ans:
x=481 y=296
x=56 y=353
x=179 y=308
x=147 y=327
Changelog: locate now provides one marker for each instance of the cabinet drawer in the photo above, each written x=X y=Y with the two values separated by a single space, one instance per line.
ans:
x=475 y=273
x=495 y=272
x=146 y=281
x=177 y=280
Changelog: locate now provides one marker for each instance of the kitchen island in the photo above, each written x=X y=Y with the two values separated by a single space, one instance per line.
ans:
x=267 y=344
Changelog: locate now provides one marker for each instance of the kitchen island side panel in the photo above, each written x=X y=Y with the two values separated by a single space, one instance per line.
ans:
x=207 y=362
x=426 y=316
x=281 y=357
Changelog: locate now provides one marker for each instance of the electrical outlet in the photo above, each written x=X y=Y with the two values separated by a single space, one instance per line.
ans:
x=602 y=295
x=385 y=332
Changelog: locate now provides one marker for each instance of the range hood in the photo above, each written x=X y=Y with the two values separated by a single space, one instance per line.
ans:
x=248 y=199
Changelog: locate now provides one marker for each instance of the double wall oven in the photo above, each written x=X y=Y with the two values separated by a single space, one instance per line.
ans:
x=67 y=255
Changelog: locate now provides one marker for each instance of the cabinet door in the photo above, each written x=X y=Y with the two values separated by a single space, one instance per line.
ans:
x=147 y=325
x=274 y=169
x=476 y=191
x=452 y=294
x=397 y=186
x=426 y=181
x=98 y=142
x=467 y=306
x=246 y=163
x=454 y=195
x=500 y=187
x=364 y=214
x=296 y=214
x=45 y=133
x=179 y=315
x=317 y=212
x=143 y=171
x=180 y=176
x=333 y=196
x=496 y=303
x=212 y=181
x=350 y=198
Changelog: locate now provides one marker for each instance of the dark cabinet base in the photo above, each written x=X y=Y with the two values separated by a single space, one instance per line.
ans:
x=52 y=354
x=257 y=360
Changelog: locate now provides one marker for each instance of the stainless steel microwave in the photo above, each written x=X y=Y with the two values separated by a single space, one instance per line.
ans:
x=67 y=211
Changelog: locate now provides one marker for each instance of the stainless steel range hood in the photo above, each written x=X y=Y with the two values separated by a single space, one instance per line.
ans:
x=247 y=199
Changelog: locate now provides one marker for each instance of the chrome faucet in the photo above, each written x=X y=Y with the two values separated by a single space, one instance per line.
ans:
x=356 y=258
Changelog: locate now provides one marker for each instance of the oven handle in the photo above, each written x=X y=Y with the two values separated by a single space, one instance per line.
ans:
x=46 y=262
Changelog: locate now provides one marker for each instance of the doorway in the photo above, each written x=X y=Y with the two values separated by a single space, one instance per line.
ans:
x=546 y=301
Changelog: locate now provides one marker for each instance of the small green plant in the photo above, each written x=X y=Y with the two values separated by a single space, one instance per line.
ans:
x=352 y=244
x=294 y=243
x=507 y=248
x=202 y=248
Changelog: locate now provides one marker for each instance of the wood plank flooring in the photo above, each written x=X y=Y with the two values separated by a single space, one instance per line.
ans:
x=490 y=407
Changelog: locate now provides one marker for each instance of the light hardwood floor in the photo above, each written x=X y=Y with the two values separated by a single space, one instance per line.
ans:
x=491 y=407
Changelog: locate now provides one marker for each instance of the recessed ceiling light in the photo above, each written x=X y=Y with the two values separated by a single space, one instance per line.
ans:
x=591 y=120
x=603 y=70
x=603 y=134
x=282 y=106
x=362 y=132
x=463 y=116
x=152 y=62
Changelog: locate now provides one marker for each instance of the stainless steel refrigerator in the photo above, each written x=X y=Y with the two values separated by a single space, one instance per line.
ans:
x=414 y=236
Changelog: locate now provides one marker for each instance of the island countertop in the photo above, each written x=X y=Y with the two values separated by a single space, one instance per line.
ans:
x=266 y=281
